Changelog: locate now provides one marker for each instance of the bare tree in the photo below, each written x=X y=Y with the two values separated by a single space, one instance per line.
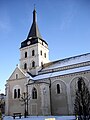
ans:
x=24 y=99
x=82 y=100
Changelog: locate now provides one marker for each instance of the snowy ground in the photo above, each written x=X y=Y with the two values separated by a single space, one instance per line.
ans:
x=42 y=118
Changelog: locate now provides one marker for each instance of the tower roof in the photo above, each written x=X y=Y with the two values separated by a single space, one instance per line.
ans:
x=34 y=31
x=34 y=35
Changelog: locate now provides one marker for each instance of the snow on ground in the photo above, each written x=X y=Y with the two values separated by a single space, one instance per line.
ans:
x=42 y=118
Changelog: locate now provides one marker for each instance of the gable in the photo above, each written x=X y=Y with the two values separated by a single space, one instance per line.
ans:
x=17 y=74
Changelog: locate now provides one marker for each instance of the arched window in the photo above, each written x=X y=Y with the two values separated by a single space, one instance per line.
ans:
x=41 y=52
x=33 y=52
x=34 y=93
x=25 y=66
x=58 y=89
x=33 y=64
x=25 y=54
x=16 y=76
x=18 y=93
x=80 y=83
x=15 y=93
x=45 y=55
x=42 y=64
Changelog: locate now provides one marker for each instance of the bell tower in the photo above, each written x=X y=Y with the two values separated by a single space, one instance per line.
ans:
x=34 y=50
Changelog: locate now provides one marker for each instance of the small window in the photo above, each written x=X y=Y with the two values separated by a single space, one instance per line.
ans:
x=18 y=93
x=16 y=76
x=25 y=54
x=25 y=66
x=33 y=64
x=45 y=55
x=33 y=52
x=34 y=93
x=41 y=52
x=42 y=64
x=58 y=89
x=80 y=85
x=15 y=93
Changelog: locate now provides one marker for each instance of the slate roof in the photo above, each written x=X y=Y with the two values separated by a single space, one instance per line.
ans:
x=61 y=73
x=76 y=64
x=34 y=33
x=67 y=61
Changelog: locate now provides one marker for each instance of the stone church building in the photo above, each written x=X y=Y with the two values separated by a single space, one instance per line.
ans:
x=49 y=85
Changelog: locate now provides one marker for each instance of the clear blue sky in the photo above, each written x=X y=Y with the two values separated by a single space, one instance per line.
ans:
x=64 y=24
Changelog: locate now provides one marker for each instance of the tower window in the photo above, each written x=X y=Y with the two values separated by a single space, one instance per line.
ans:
x=33 y=64
x=42 y=64
x=33 y=52
x=41 y=52
x=25 y=54
x=25 y=66
x=45 y=55
x=34 y=93
x=58 y=89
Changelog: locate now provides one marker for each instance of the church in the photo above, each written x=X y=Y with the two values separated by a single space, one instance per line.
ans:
x=48 y=86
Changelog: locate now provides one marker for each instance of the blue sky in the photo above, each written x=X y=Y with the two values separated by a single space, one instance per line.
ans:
x=64 y=24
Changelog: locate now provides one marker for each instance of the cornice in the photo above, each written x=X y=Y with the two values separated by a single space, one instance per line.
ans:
x=66 y=75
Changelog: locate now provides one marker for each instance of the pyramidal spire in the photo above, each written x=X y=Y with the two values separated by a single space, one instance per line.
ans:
x=34 y=31
x=34 y=15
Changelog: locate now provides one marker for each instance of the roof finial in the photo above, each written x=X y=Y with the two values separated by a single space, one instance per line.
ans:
x=34 y=31
x=16 y=65
x=34 y=14
x=34 y=6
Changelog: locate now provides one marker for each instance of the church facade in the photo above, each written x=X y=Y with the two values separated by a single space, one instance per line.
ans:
x=48 y=85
